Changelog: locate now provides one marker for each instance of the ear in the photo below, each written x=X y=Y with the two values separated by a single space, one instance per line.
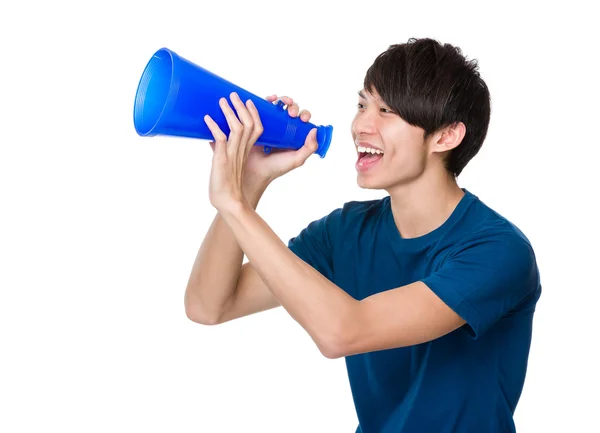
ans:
x=448 y=138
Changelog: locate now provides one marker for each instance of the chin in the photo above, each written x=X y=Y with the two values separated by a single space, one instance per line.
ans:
x=366 y=183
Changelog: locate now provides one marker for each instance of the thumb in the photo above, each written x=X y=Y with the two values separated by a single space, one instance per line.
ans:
x=310 y=145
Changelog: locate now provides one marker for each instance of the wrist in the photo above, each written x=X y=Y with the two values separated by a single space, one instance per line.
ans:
x=233 y=209
x=254 y=192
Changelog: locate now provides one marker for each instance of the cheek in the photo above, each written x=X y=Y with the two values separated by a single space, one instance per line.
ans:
x=404 y=155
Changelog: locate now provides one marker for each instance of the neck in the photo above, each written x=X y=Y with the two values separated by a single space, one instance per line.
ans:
x=425 y=203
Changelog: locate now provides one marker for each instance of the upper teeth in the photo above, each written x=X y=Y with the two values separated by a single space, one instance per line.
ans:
x=369 y=150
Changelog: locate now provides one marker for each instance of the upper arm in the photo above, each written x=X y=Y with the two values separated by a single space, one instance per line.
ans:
x=486 y=279
x=251 y=296
x=404 y=316
x=483 y=281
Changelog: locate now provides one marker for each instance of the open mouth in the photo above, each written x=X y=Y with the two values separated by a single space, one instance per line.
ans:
x=367 y=157
x=366 y=154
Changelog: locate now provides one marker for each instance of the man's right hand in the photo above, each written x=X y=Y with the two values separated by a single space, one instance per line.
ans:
x=261 y=168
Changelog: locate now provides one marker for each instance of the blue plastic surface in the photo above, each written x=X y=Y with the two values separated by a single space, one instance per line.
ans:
x=174 y=95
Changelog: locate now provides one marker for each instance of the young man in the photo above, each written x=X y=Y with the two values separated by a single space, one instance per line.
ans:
x=428 y=293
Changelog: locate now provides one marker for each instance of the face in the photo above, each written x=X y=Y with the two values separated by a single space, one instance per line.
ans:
x=401 y=154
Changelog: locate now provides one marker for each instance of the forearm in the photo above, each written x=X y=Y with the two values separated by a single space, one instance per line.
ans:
x=318 y=305
x=216 y=269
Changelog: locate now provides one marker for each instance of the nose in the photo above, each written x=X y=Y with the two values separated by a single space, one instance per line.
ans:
x=364 y=123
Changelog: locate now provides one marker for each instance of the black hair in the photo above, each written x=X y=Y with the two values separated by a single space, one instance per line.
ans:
x=432 y=86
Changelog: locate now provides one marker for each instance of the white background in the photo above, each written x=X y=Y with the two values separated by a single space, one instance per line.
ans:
x=100 y=227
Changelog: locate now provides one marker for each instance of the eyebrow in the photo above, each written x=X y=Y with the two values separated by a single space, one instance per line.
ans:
x=362 y=95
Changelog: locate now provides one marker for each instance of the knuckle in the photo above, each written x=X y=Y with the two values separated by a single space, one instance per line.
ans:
x=257 y=132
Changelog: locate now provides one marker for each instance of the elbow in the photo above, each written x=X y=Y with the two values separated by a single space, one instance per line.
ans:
x=332 y=345
x=342 y=336
x=196 y=315
x=202 y=320
x=332 y=350
x=331 y=353
x=197 y=311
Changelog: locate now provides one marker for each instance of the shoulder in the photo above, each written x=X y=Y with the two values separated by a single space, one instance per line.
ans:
x=481 y=223
x=488 y=243
x=348 y=217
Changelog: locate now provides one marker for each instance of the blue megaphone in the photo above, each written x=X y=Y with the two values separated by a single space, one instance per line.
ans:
x=174 y=95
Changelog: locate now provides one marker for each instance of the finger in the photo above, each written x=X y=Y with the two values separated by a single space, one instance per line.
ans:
x=232 y=121
x=310 y=146
x=258 y=126
x=293 y=110
x=245 y=117
x=304 y=115
x=242 y=111
x=235 y=127
x=271 y=98
x=220 y=138
x=286 y=100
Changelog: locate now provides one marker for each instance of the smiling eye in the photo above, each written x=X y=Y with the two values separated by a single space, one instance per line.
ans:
x=383 y=110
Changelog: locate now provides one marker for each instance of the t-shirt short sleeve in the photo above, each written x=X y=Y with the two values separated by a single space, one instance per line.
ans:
x=314 y=244
x=485 y=278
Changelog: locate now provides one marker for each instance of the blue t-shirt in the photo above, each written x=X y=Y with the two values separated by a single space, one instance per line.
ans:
x=483 y=267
